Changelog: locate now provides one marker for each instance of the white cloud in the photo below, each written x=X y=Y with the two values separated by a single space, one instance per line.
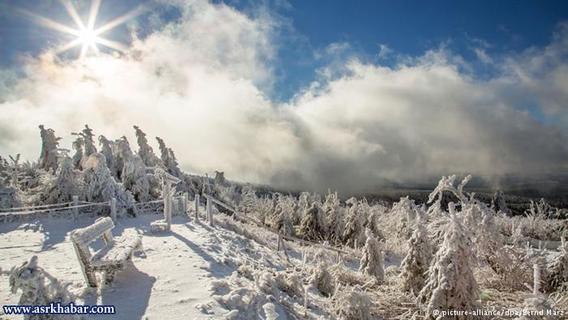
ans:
x=199 y=83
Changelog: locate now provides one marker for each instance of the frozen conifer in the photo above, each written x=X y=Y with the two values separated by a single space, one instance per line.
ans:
x=372 y=261
x=49 y=149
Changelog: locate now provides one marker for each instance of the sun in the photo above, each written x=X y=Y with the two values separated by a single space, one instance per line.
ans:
x=86 y=35
x=88 y=38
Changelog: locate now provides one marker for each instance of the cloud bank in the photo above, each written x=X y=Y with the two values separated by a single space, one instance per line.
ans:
x=200 y=82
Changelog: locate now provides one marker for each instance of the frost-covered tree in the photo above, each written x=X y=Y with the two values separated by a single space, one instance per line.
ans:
x=79 y=152
x=219 y=178
x=312 y=227
x=64 y=185
x=332 y=212
x=414 y=266
x=100 y=184
x=88 y=141
x=286 y=206
x=500 y=204
x=132 y=171
x=49 y=149
x=106 y=150
x=405 y=210
x=354 y=224
x=145 y=151
x=169 y=159
x=372 y=261
x=248 y=200
x=451 y=284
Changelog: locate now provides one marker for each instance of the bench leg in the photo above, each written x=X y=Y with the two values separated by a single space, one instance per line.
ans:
x=91 y=278
x=109 y=276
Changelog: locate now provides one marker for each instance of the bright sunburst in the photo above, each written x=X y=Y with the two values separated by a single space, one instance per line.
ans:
x=87 y=36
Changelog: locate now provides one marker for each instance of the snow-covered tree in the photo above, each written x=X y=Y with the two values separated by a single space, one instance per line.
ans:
x=248 y=200
x=145 y=151
x=49 y=149
x=312 y=227
x=79 y=152
x=500 y=204
x=372 y=261
x=64 y=185
x=451 y=284
x=106 y=150
x=332 y=212
x=354 y=224
x=168 y=158
x=88 y=141
x=100 y=184
x=132 y=171
x=286 y=206
x=414 y=266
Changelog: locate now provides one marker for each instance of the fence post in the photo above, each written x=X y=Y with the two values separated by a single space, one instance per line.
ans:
x=113 y=209
x=170 y=208
x=305 y=301
x=536 y=278
x=185 y=200
x=167 y=205
x=75 y=209
x=279 y=242
x=209 y=211
x=196 y=207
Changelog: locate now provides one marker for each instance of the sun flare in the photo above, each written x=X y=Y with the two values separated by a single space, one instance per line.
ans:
x=87 y=36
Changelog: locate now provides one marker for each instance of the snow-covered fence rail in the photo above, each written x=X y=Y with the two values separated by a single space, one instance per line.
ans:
x=149 y=206
x=49 y=210
x=238 y=216
x=45 y=206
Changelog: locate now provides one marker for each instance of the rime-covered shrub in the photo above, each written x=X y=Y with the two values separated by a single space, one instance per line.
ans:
x=451 y=284
x=414 y=266
x=556 y=273
x=353 y=304
x=38 y=288
x=323 y=280
x=372 y=260
x=290 y=283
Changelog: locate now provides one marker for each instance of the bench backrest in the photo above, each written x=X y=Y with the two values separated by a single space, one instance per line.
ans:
x=101 y=227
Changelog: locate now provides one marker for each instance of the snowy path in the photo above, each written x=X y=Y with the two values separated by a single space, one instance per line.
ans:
x=171 y=282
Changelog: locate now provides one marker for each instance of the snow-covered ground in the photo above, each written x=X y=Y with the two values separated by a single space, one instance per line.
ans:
x=171 y=282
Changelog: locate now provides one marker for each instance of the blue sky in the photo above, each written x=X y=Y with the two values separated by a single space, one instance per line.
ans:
x=405 y=27
x=304 y=94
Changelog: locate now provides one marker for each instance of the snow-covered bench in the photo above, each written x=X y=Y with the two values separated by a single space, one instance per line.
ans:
x=109 y=259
